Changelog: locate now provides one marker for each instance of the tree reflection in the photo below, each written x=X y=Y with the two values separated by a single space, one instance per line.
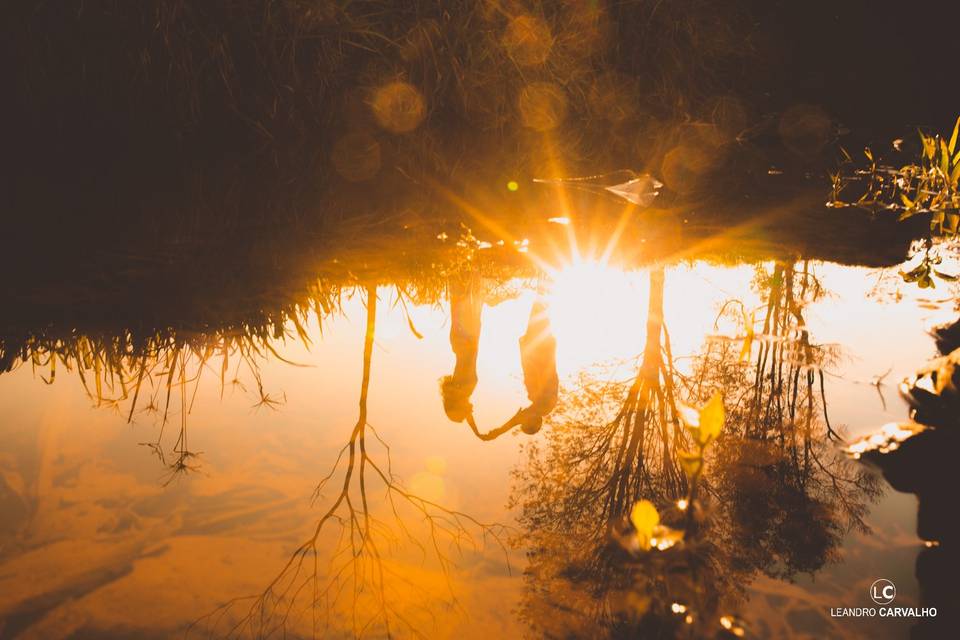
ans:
x=348 y=582
x=775 y=498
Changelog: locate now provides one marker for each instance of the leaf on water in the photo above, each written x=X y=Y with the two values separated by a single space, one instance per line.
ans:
x=711 y=420
x=645 y=518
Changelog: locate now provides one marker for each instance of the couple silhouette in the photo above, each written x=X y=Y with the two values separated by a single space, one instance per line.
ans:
x=538 y=349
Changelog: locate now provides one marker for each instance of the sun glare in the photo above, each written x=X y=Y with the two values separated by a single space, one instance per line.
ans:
x=594 y=309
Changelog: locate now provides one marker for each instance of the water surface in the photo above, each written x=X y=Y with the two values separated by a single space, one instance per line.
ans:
x=199 y=508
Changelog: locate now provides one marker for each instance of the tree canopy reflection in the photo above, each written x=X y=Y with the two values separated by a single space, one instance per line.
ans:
x=775 y=499
x=349 y=579
x=772 y=497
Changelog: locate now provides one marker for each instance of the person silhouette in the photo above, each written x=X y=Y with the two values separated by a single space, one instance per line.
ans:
x=466 y=305
x=538 y=359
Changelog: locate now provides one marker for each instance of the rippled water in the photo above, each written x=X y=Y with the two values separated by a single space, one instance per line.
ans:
x=109 y=529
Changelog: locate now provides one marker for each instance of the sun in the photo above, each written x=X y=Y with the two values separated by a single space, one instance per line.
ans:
x=594 y=309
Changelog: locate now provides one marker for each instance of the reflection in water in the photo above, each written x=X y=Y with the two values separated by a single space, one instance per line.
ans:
x=157 y=372
x=776 y=498
x=466 y=306
x=538 y=357
x=352 y=579
x=773 y=498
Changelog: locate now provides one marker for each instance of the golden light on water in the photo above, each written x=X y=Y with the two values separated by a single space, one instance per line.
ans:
x=597 y=308
x=434 y=226
x=598 y=311
x=594 y=309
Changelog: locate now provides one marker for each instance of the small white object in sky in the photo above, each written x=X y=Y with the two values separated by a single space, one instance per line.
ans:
x=639 y=189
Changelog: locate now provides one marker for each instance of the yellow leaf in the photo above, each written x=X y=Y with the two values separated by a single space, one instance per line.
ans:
x=951 y=222
x=953 y=138
x=929 y=145
x=711 y=419
x=645 y=518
